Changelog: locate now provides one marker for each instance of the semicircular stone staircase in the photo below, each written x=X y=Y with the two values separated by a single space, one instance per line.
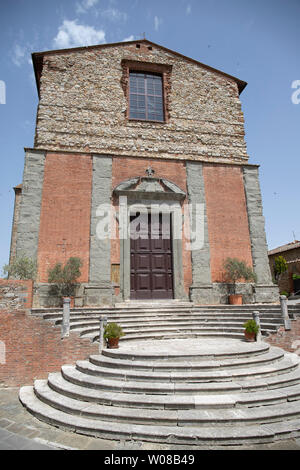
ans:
x=204 y=387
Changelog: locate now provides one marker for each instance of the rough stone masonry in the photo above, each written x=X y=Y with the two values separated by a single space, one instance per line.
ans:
x=86 y=146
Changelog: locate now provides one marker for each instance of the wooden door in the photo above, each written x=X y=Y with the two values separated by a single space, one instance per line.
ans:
x=151 y=267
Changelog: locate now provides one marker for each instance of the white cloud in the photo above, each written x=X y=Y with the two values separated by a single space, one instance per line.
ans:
x=22 y=54
x=157 y=22
x=114 y=14
x=72 y=34
x=130 y=38
x=19 y=55
x=82 y=7
x=109 y=13
x=188 y=9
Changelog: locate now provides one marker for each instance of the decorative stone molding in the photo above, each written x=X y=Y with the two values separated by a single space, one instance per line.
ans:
x=149 y=187
x=148 y=191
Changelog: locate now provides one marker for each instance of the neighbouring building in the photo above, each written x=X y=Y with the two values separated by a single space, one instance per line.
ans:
x=152 y=141
x=289 y=281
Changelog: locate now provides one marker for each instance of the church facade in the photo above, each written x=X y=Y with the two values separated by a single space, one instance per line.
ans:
x=140 y=169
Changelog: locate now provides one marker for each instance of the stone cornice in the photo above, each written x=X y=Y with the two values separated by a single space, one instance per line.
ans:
x=213 y=160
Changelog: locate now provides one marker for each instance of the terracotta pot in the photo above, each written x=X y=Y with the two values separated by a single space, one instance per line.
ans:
x=236 y=299
x=113 y=343
x=249 y=336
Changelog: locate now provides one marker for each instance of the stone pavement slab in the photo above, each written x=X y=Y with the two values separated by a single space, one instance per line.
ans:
x=13 y=441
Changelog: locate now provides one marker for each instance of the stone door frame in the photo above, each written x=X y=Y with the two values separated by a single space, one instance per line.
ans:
x=172 y=207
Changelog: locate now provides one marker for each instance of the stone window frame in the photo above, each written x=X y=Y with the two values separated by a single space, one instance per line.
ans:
x=164 y=70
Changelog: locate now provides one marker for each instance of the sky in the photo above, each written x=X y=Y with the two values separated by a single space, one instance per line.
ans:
x=256 y=41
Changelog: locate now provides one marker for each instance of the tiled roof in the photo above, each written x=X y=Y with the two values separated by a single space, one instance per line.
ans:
x=283 y=248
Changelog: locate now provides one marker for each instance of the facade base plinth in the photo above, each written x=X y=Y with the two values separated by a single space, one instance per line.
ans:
x=268 y=293
x=202 y=294
x=218 y=293
x=86 y=295
x=98 y=295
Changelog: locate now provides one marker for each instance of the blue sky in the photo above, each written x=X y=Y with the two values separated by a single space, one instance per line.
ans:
x=256 y=41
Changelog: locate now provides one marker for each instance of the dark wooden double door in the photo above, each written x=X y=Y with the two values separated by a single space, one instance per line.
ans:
x=151 y=266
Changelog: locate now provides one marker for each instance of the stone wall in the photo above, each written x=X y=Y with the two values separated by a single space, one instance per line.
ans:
x=15 y=294
x=83 y=107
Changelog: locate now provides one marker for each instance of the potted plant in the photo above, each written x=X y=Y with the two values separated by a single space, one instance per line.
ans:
x=237 y=270
x=251 y=330
x=64 y=278
x=112 y=334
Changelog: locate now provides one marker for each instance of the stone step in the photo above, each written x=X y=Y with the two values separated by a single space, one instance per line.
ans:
x=192 y=350
x=251 y=393
x=183 y=316
x=222 y=410
x=178 y=326
x=204 y=309
x=173 y=327
x=167 y=314
x=169 y=372
x=172 y=303
x=274 y=354
x=166 y=336
x=185 y=435
x=151 y=307
x=266 y=323
x=145 y=328
x=136 y=400
x=90 y=328
x=202 y=334
x=172 y=322
x=192 y=384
